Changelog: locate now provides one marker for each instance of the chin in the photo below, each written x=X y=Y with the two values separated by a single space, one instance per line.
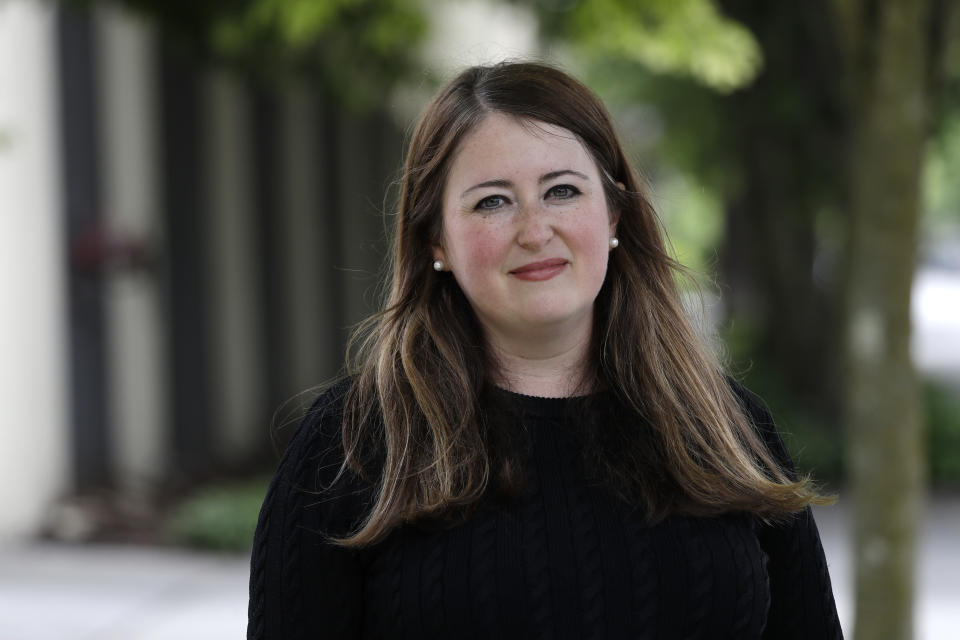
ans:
x=553 y=316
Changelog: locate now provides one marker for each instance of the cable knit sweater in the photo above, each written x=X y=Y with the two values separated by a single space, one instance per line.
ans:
x=564 y=561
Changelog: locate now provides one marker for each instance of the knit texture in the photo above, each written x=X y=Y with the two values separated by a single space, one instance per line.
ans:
x=565 y=560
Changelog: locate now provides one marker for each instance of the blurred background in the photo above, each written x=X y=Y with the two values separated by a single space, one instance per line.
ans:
x=195 y=199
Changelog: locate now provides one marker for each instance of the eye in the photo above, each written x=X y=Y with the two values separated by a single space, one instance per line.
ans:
x=490 y=203
x=563 y=191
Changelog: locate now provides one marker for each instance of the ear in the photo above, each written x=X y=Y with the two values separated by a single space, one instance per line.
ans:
x=615 y=215
x=439 y=253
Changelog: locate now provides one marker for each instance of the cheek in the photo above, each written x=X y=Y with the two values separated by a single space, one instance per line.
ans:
x=592 y=237
x=485 y=250
x=593 y=245
x=476 y=246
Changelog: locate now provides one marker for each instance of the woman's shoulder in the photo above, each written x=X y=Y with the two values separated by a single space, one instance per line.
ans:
x=329 y=401
x=312 y=479
x=751 y=403
x=313 y=456
x=763 y=423
x=320 y=425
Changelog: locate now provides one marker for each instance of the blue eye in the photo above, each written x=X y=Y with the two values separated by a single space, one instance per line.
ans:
x=563 y=191
x=490 y=203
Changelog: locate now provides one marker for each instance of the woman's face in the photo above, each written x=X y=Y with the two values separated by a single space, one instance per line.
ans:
x=526 y=229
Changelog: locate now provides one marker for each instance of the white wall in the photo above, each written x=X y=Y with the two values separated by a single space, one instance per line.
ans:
x=237 y=345
x=304 y=218
x=136 y=354
x=33 y=348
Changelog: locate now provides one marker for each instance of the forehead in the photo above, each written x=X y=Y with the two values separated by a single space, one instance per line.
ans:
x=502 y=146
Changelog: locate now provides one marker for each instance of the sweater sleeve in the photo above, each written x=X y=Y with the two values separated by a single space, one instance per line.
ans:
x=301 y=585
x=801 y=595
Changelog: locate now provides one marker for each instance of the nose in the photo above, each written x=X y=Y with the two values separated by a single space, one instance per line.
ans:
x=534 y=227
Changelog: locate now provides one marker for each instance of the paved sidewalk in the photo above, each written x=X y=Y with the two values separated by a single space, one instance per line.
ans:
x=937 y=612
x=63 y=592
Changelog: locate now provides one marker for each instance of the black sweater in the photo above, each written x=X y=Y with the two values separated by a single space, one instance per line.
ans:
x=566 y=560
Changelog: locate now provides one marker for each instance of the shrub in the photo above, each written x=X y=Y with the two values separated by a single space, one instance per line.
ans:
x=221 y=517
x=943 y=434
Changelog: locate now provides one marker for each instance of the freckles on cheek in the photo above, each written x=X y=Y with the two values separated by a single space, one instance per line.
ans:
x=484 y=249
x=478 y=246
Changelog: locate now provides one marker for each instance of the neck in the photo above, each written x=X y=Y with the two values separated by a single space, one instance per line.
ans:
x=552 y=366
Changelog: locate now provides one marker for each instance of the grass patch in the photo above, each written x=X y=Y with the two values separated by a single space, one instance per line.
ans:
x=943 y=435
x=219 y=517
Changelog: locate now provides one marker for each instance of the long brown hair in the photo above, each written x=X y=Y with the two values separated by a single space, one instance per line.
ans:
x=421 y=364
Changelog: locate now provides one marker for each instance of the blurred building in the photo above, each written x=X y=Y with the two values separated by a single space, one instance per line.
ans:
x=182 y=252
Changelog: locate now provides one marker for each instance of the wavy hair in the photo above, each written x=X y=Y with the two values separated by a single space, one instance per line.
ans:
x=413 y=422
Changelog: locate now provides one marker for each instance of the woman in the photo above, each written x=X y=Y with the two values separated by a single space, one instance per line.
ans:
x=534 y=442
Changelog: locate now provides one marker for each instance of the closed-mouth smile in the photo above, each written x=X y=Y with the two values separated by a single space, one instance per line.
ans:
x=540 y=270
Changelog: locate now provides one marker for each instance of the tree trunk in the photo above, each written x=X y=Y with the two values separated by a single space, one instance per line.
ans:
x=887 y=63
x=789 y=132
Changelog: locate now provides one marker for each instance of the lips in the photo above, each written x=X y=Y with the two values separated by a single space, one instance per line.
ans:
x=540 y=270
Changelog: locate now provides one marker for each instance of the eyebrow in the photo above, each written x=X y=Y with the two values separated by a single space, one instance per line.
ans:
x=544 y=178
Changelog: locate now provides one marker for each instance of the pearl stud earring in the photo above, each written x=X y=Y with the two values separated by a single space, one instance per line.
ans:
x=614 y=243
x=438 y=265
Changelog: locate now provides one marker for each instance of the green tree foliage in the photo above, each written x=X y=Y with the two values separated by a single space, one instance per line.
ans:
x=677 y=37
x=355 y=49
x=941 y=187
x=359 y=48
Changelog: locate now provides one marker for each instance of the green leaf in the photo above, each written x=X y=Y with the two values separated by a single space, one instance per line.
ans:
x=679 y=37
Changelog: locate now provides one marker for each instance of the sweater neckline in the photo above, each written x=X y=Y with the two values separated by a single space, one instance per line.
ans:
x=541 y=405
